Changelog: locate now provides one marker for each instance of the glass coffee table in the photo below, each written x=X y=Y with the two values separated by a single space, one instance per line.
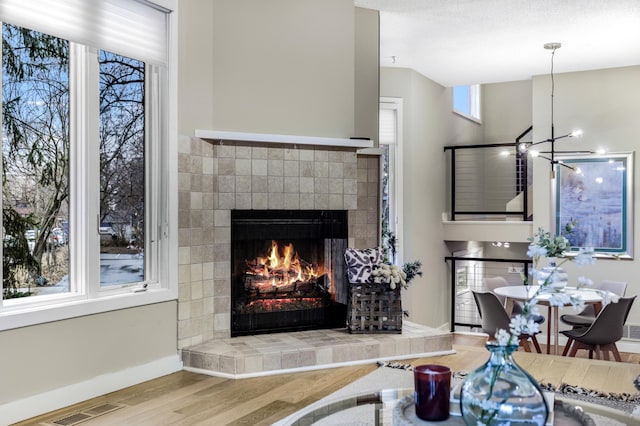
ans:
x=395 y=407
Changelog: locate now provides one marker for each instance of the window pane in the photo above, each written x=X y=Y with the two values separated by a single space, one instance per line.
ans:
x=35 y=158
x=462 y=99
x=122 y=170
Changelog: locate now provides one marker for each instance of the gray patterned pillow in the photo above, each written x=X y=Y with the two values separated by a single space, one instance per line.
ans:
x=360 y=263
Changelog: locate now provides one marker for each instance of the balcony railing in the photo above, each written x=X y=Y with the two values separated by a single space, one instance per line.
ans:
x=469 y=273
x=489 y=182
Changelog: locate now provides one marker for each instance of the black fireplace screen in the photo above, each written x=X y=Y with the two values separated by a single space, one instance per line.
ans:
x=287 y=270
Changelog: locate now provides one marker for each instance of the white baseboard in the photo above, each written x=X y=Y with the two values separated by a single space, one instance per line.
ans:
x=36 y=405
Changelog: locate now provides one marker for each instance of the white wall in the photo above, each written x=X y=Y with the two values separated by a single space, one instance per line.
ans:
x=426 y=129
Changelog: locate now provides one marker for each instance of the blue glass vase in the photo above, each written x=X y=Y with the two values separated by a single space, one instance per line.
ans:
x=501 y=392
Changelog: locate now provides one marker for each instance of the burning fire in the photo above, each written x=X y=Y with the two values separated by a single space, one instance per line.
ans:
x=281 y=269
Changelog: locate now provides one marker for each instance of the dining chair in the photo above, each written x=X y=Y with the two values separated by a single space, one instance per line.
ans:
x=603 y=333
x=494 y=317
x=491 y=283
x=588 y=314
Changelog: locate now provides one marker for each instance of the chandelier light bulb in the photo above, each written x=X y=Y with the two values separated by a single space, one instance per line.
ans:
x=577 y=133
x=504 y=153
x=523 y=147
x=534 y=153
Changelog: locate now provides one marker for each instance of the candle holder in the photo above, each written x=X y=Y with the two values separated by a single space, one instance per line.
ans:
x=432 y=391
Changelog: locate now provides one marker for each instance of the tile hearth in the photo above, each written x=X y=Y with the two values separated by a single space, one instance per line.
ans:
x=259 y=355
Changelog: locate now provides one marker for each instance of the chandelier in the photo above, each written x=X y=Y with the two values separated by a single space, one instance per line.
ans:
x=550 y=153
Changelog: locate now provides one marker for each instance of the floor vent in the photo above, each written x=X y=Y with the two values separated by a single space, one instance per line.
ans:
x=84 y=415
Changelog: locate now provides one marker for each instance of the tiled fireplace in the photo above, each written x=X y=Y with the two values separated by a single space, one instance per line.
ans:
x=218 y=177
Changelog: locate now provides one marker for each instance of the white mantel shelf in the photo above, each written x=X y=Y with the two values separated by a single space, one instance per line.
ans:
x=283 y=139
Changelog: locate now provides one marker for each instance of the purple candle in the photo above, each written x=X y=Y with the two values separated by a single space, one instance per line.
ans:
x=432 y=391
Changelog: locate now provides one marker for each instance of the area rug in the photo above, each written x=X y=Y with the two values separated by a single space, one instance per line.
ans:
x=393 y=375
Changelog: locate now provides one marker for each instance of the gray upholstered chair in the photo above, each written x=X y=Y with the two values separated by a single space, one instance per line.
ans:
x=588 y=314
x=494 y=317
x=603 y=333
x=492 y=283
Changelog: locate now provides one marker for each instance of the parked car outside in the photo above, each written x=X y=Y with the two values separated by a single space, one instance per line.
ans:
x=59 y=236
x=107 y=232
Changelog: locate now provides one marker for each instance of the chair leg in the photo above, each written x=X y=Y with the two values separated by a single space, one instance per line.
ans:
x=605 y=352
x=574 y=349
x=567 y=346
x=536 y=344
x=616 y=354
x=525 y=345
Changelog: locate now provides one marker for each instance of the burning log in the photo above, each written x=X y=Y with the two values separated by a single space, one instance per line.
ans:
x=260 y=288
x=284 y=275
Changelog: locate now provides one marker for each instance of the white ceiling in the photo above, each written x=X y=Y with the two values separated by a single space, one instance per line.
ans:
x=458 y=42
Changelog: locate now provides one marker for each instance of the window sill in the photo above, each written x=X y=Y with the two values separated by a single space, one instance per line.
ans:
x=468 y=117
x=33 y=315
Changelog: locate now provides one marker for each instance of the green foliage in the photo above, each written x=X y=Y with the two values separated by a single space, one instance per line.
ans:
x=410 y=269
x=15 y=252
x=555 y=245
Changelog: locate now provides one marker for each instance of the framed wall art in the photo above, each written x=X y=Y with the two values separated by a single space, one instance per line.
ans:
x=596 y=191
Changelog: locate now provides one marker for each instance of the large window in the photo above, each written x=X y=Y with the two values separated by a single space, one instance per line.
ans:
x=85 y=160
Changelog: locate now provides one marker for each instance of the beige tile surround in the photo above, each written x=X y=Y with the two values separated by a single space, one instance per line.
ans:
x=216 y=177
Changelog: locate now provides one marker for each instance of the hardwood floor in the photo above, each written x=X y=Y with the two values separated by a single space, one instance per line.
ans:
x=185 y=398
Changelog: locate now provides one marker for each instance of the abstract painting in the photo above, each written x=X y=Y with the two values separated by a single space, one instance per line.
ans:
x=595 y=192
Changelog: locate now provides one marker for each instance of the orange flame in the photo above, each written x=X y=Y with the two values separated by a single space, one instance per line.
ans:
x=282 y=269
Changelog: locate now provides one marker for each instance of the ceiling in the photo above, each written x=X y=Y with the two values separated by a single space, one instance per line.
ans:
x=458 y=42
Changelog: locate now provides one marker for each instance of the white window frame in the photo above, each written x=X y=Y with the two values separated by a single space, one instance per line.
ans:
x=472 y=110
x=86 y=296
x=396 y=176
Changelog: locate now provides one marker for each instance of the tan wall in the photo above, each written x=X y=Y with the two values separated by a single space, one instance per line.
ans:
x=604 y=105
x=506 y=110
x=427 y=128
x=283 y=67
x=367 y=60
x=45 y=357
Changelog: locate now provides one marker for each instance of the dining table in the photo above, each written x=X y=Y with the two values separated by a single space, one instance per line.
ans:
x=521 y=293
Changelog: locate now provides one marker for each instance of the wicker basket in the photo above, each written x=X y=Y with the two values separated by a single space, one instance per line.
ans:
x=374 y=308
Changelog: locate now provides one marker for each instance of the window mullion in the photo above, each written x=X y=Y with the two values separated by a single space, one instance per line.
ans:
x=84 y=171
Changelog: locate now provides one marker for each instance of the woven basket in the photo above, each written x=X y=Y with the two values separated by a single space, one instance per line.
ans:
x=374 y=308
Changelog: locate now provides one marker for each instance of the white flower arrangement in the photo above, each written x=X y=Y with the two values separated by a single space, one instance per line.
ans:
x=393 y=275
x=538 y=250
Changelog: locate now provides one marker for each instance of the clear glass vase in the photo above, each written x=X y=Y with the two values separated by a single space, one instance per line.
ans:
x=501 y=392
x=557 y=278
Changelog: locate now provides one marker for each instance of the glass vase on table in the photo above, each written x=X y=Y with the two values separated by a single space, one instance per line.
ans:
x=500 y=392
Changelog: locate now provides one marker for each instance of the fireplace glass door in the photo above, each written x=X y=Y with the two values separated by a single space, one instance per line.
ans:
x=287 y=270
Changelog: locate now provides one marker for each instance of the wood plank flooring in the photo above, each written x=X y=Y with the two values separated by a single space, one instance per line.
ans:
x=185 y=398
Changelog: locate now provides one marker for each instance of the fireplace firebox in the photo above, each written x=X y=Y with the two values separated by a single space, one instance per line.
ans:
x=287 y=270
